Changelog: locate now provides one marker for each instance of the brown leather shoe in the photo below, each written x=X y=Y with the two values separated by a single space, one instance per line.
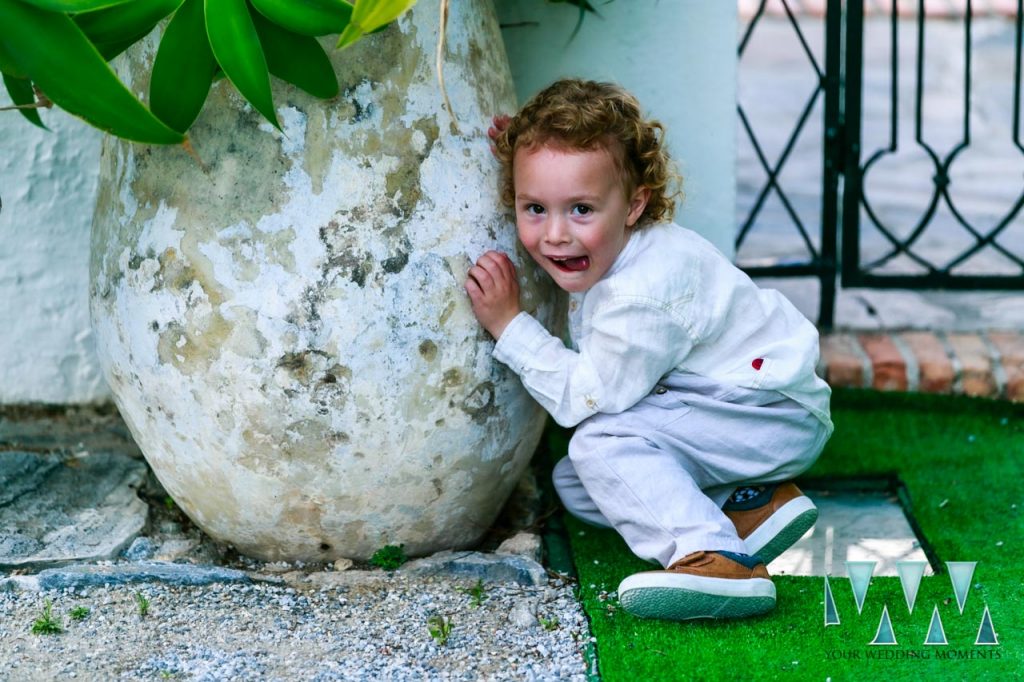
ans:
x=772 y=519
x=701 y=585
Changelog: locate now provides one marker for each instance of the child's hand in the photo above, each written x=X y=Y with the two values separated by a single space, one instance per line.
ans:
x=494 y=291
x=499 y=123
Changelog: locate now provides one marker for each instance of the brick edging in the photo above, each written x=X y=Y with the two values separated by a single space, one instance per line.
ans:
x=984 y=364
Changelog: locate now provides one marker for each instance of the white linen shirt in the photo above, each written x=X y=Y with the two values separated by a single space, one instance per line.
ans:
x=671 y=302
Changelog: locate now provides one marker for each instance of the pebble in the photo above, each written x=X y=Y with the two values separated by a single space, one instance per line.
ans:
x=372 y=628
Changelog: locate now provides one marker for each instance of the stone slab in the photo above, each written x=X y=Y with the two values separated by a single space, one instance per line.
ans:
x=86 y=575
x=852 y=526
x=478 y=565
x=65 y=429
x=58 y=509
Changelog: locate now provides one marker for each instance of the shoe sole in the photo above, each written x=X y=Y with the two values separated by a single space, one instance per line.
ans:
x=679 y=596
x=781 y=530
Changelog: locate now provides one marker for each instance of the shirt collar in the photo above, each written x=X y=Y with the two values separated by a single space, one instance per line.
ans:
x=627 y=252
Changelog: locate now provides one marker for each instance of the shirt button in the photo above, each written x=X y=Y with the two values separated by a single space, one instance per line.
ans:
x=661 y=390
x=573 y=305
x=591 y=403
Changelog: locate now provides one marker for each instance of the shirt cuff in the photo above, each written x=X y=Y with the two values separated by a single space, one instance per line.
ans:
x=521 y=341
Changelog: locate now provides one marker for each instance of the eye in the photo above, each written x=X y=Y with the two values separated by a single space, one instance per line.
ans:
x=534 y=209
x=582 y=209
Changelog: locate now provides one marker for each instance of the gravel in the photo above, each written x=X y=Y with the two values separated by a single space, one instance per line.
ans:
x=352 y=625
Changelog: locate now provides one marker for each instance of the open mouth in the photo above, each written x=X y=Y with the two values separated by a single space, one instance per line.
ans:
x=571 y=264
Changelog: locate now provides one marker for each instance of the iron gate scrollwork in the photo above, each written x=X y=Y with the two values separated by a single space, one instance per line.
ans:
x=946 y=240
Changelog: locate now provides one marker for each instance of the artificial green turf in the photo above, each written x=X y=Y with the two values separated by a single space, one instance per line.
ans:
x=962 y=461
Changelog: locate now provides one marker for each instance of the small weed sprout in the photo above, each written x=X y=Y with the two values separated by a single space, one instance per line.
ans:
x=548 y=624
x=46 y=624
x=389 y=557
x=79 y=613
x=440 y=628
x=142 y=602
x=169 y=503
x=477 y=593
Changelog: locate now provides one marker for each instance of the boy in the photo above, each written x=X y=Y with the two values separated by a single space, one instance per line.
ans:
x=687 y=384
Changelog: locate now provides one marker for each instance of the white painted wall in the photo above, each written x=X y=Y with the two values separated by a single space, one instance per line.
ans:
x=48 y=188
x=677 y=56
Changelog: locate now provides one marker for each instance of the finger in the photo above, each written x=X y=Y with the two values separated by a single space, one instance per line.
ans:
x=483 y=277
x=495 y=264
x=508 y=264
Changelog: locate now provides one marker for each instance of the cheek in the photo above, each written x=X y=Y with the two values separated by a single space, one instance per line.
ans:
x=526 y=235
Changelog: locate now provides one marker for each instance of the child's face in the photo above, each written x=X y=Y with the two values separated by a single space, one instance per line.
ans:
x=572 y=212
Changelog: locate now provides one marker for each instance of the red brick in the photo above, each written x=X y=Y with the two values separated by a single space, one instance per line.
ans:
x=1011 y=351
x=976 y=374
x=935 y=369
x=844 y=362
x=887 y=363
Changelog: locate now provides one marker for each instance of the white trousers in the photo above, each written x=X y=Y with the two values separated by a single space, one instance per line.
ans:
x=660 y=472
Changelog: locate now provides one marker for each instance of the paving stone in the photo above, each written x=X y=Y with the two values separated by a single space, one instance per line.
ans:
x=852 y=526
x=481 y=566
x=976 y=376
x=60 y=509
x=888 y=367
x=1010 y=346
x=935 y=370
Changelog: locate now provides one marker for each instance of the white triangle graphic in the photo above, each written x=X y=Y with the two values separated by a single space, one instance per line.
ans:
x=860 y=577
x=884 y=635
x=936 y=634
x=910 y=580
x=831 y=612
x=986 y=633
x=960 y=574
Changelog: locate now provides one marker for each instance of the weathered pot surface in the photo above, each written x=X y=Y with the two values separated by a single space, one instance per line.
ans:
x=285 y=329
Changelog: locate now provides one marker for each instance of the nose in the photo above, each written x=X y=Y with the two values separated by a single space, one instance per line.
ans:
x=556 y=231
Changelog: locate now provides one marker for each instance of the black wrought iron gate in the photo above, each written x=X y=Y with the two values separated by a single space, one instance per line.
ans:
x=922 y=201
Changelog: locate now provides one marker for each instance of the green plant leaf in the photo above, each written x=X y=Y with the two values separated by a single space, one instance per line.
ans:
x=74 y=5
x=21 y=92
x=183 y=68
x=370 y=15
x=307 y=17
x=236 y=46
x=57 y=56
x=8 y=64
x=111 y=50
x=299 y=60
x=130 y=22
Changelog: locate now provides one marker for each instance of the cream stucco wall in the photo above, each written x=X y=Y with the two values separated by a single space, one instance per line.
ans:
x=677 y=57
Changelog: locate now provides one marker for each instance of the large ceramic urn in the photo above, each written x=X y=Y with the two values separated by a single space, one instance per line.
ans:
x=284 y=325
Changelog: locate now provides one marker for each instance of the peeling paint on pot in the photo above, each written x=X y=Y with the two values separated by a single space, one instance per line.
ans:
x=285 y=329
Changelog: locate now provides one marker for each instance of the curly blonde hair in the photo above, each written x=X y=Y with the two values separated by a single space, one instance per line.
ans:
x=583 y=115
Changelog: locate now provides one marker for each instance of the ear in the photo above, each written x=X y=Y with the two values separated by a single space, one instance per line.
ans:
x=637 y=204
